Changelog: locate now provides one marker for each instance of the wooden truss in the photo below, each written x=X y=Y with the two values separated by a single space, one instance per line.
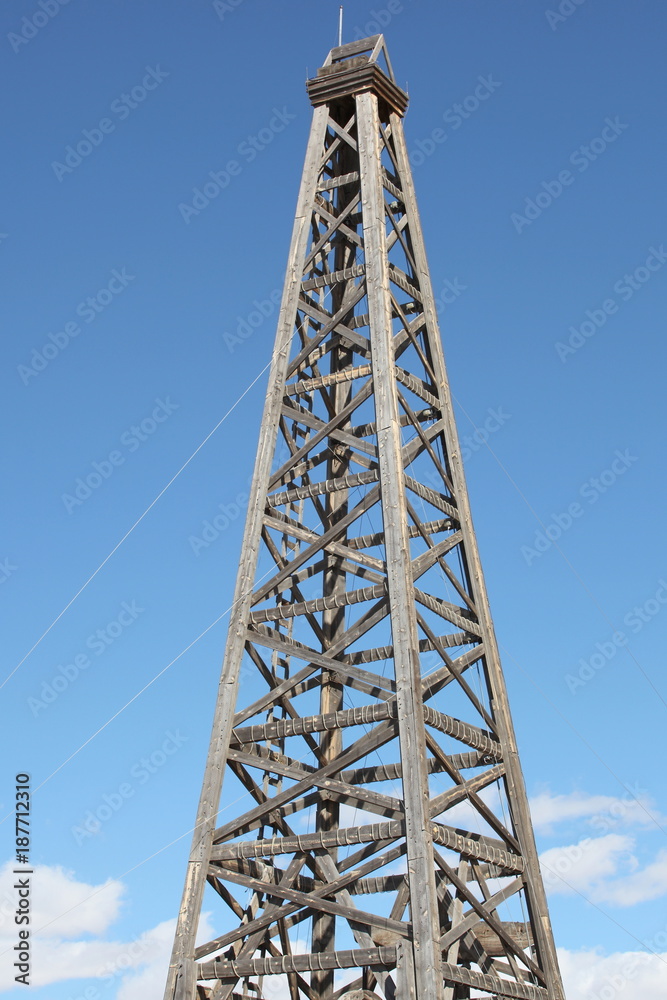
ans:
x=374 y=838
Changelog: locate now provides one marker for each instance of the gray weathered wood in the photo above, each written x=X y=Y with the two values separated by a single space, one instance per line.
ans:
x=358 y=448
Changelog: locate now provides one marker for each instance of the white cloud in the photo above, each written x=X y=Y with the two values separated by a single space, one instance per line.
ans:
x=147 y=983
x=604 y=869
x=584 y=866
x=69 y=920
x=588 y=975
x=602 y=812
x=640 y=886
x=60 y=905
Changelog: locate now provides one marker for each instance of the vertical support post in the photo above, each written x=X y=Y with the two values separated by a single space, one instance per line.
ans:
x=516 y=789
x=333 y=619
x=405 y=972
x=412 y=739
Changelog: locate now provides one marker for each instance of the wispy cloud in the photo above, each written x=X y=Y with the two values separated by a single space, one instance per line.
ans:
x=70 y=922
x=606 y=869
x=626 y=975
x=601 y=812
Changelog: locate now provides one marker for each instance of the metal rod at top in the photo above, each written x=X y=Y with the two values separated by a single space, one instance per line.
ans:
x=340 y=26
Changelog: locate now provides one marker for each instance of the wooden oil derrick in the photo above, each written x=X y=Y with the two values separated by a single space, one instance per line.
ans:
x=374 y=838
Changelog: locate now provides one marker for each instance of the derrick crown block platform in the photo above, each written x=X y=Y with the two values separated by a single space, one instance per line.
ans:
x=373 y=838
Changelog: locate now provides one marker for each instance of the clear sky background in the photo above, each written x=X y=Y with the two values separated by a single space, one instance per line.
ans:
x=543 y=203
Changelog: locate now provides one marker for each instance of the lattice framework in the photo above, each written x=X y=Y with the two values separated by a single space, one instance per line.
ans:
x=362 y=710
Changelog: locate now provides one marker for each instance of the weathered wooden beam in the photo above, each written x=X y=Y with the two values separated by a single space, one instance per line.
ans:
x=321 y=542
x=493 y=945
x=330 y=430
x=390 y=772
x=402 y=615
x=336 y=789
x=306 y=386
x=334 y=277
x=475 y=846
x=450 y=612
x=336 y=182
x=222 y=969
x=376 y=738
x=379 y=685
x=451 y=670
x=284 y=611
x=329 y=324
x=445 y=800
x=400 y=278
x=425 y=646
x=377 y=538
x=363 y=715
x=360 y=958
x=280 y=522
x=319 y=489
x=336 y=883
x=390 y=186
x=417 y=386
x=427 y=559
x=443 y=503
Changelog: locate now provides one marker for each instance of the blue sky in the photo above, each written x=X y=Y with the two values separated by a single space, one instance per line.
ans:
x=137 y=312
